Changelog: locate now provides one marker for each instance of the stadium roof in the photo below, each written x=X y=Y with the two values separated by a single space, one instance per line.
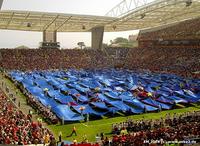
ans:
x=149 y=15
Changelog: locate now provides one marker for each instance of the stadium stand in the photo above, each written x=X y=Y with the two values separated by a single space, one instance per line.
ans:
x=117 y=52
x=183 y=128
x=172 y=48
x=180 y=60
x=186 y=30
x=17 y=128
x=43 y=59
x=183 y=61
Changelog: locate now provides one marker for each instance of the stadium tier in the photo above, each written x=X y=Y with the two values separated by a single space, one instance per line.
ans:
x=186 y=30
x=185 y=33
x=73 y=94
x=18 y=128
x=43 y=59
x=180 y=60
x=170 y=129
x=183 y=61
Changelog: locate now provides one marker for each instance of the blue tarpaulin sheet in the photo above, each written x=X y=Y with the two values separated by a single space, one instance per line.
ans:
x=127 y=94
x=43 y=84
x=63 y=88
x=64 y=112
x=34 y=90
x=177 y=99
x=139 y=105
x=120 y=105
x=47 y=101
x=81 y=89
x=156 y=103
x=64 y=99
x=107 y=89
x=125 y=98
x=113 y=110
x=27 y=82
x=165 y=100
x=82 y=98
x=112 y=94
x=87 y=110
x=102 y=97
x=100 y=105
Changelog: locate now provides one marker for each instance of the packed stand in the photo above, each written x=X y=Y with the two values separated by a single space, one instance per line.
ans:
x=171 y=128
x=17 y=128
x=117 y=52
x=172 y=49
x=187 y=30
x=179 y=60
x=43 y=59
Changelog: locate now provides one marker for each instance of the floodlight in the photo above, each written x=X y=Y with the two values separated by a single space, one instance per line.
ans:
x=188 y=3
x=114 y=27
x=83 y=26
x=28 y=24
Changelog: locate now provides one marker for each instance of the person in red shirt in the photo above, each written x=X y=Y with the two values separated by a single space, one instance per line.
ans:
x=143 y=94
x=7 y=140
x=96 y=144
x=123 y=138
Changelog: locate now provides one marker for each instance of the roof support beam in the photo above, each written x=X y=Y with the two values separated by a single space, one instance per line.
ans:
x=49 y=24
x=154 y=14
x=124 y=7
x=66 y=20
x=11 y=17
x=179 y=15
x=132 y=16
x=25 y=19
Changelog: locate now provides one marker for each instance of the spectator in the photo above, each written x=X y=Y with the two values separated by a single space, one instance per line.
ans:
x=17 y=128
x=178 y=127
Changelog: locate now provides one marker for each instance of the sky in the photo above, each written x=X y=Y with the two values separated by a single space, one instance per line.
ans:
x=11 y=39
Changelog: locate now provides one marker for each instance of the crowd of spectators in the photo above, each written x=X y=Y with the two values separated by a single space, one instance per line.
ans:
x=18 y=128
x=117 y=52
x=187 y=30
x=40 y=109
x=43 y=59
x=172 y=49
x=179 y=60
x=182 y=60
x=48 y=116
x=185 y=128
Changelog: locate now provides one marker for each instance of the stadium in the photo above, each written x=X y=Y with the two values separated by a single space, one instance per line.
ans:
x=104 y=95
